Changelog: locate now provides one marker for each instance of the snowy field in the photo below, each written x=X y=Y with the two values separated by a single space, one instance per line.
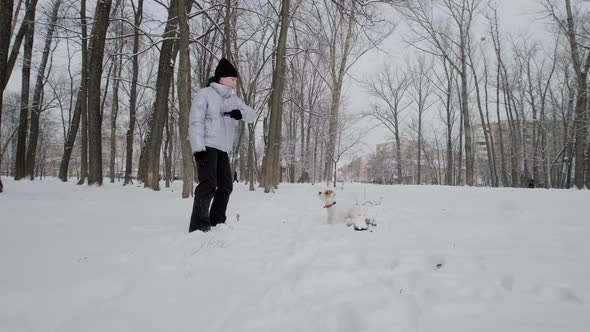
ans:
x=110 y=259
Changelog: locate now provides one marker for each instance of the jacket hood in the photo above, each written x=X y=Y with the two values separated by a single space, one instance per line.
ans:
x=223 y=90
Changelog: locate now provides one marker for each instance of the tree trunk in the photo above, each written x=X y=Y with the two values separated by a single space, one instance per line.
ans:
x=308 y=150
x=251 y=149
x=534 y=126
x=485 y=129
x=580 y=126
x=459 y=175
x=292 y=147
x=588 y=169
x=315 y=156
x=503 y=168
x=84 y=96
x=398 y=152
x=520 y=165
x=492 y=152
x=2 y=151
x=227 y=49
x=243 y=156
x=337 y=80
x=543 y=127
x=302 y=150
x=138 y=13
x=332 y=131
x=568 y=138
x=9 y=56
x=272 y=167
x=21 y=146
x=150 y=157
x=184 y=98
x=84 y=140
x=419 y=157
x=5 y=38
x=97 y=42
x=469 y=155
x=38 y=92
x=513 y=137
x=115 y=111
x=497 y=48
x=265 y=128
x=71 y=138
x=168 y=153
x=449 y=170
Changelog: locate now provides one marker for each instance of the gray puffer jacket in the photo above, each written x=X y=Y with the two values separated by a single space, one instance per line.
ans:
x=208 y=126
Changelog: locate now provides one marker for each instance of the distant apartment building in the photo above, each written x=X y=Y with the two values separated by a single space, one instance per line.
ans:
x=381 y=167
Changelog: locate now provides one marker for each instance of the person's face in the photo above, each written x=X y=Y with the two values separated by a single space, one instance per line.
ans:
x=230 y=82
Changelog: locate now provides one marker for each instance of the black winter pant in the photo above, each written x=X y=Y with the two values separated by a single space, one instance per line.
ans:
x=215 y=182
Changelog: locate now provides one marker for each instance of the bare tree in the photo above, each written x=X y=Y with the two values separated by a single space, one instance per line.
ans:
x=255 y=85
x=138 y=17
x=308 y=98
x=444 y=89
x=338 y=33
x=581 y=64
x=390 y=88
x=184 y=88
x=494 y=32
x=271 y=168
x=118 y=69
x=344 y=32
x=487 y=124
x=9 y=55
x=544 y=124
x=95 y=66
x=78 y=107
x=420 y=93
x=149 y=167
x=38 y=99
x=348 y=138
x=440 y=42
x=83 y=97
x=485 y=128
x=25 y=91
x=4 y=147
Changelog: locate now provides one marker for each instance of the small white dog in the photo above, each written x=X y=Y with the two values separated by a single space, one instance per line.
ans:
x=351 y=215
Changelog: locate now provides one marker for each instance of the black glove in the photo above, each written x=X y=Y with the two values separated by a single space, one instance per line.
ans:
x=201 y=158
x=234 y=114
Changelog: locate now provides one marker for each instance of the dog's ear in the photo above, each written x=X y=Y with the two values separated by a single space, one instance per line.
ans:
x=331 y=193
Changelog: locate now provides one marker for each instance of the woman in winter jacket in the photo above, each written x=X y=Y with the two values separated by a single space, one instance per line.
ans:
x=213 y=123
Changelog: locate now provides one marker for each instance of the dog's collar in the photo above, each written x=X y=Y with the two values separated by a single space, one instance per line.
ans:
x=329 y=205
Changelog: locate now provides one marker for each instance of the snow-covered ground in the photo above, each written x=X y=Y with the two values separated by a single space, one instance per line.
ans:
x=80 y=259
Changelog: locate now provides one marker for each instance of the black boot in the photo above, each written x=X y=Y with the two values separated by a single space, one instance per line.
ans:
x=200 y=216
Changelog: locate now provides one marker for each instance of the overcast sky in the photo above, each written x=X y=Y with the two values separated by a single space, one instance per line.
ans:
x=516 y=17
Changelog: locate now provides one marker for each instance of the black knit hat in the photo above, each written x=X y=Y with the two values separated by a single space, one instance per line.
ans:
x=225 y=69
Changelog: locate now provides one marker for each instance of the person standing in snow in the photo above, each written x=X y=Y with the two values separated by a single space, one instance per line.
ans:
x=213 y=123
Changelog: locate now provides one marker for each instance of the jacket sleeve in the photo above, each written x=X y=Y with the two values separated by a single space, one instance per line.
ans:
x=249 y=115
x=196 y=122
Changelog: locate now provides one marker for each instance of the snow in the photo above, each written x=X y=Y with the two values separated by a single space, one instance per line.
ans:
x=78 y=258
